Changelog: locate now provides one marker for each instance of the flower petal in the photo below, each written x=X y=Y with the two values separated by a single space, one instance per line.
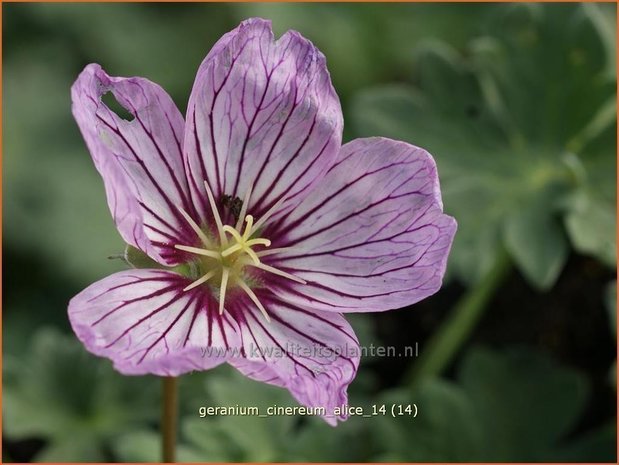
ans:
x=262 y=113
x=144 y=322
x=373 y=237
x=313 y=354
x=140 y=160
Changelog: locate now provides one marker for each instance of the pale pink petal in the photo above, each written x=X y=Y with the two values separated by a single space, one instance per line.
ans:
x=262 y=113
x=372 y=237
x=313 y=354
x=140 y=160
x=144 y=322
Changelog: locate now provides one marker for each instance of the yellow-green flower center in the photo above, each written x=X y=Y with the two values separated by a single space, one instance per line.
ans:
x=223 y=262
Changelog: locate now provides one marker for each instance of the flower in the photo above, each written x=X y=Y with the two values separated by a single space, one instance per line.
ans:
x=266 y=228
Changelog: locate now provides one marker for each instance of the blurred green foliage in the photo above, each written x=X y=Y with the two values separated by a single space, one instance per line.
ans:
x=517 y=104
x=58 y=392
x=509 y=406
x=522 y=124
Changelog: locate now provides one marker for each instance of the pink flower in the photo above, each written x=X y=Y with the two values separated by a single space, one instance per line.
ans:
x=268 y=229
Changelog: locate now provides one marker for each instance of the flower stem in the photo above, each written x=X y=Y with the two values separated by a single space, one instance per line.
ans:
x=169 y=415
x=450 y=336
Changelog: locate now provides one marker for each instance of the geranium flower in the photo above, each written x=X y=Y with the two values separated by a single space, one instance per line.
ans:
x=266 y=227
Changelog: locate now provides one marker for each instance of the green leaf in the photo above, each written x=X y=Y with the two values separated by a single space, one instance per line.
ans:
x=446 y=428
x=207 y=439
x=537 y=243
x=145 y=446
x=525 y=401
x=318 y=442
x=505 y=406
x=77 y=448
x=236 y=438
x=60 y=393
x=504 y=119
x=247 y=437
x=591 y=225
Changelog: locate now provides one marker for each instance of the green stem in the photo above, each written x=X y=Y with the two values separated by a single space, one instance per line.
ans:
x=445 y=343
x=169 y=416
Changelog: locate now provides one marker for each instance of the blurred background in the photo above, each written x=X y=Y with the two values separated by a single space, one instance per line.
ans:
x=516 y=352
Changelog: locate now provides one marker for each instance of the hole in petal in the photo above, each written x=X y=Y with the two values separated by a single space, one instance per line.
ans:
x=110 y=101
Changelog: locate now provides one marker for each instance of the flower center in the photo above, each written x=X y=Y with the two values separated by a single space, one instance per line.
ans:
x=223 y=262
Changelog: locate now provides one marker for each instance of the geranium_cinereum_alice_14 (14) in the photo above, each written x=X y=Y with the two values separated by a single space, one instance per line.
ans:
x=264 y=228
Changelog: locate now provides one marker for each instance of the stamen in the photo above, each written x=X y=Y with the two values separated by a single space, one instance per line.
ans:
x=273 y=270
x=254 y=298
x=211 y=200
x=242 y=243
x=244 y=207
x=206 y=253
x=264 y=253
x=246 y=247
x=205 y=240
x=202 y=280
x=233 y=232
x=252 y=255
x=258 y=241
x=267 y=215
x=222 y=291
x=250 y=223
